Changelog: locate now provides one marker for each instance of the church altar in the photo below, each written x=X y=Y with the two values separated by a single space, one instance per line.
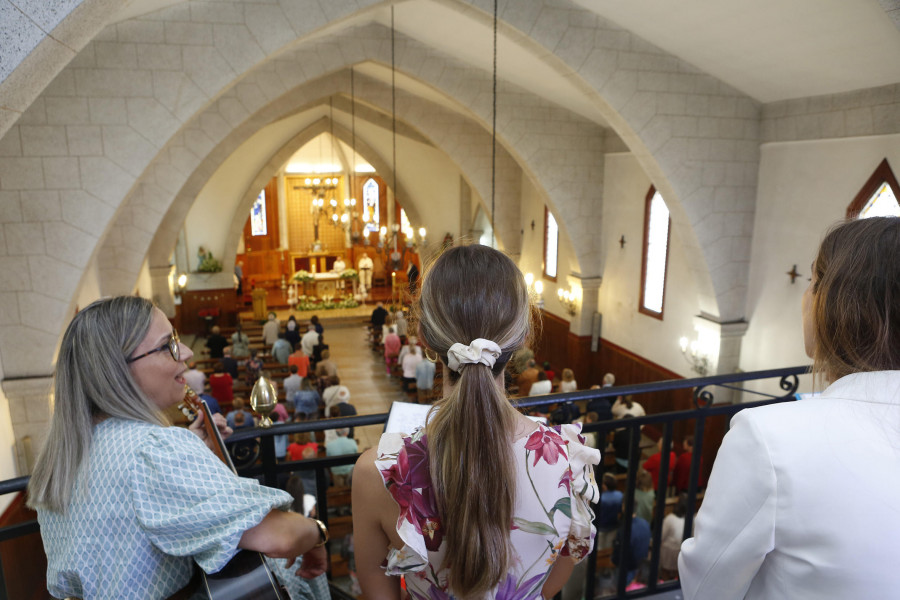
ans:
x=326 y=284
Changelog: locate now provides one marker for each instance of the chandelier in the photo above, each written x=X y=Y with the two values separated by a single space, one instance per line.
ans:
x=325 y=204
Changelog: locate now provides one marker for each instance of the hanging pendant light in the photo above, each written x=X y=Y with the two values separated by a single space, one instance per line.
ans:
x=494 y=133
x=394 y=118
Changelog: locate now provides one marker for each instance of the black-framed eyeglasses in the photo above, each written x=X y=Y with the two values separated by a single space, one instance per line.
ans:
x=173 y=345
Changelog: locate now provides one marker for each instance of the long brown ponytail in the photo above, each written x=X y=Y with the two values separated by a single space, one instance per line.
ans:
x=474 y=292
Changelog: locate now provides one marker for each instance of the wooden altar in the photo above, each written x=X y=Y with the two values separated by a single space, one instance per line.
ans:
x=326 y=285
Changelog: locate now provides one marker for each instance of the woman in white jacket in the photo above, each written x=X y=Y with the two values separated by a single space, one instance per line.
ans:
x=782 y=517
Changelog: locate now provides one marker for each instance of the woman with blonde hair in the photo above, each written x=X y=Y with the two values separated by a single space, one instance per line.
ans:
x=568 y=383
x=127 y=504
x=482 y=501
x=782 y=517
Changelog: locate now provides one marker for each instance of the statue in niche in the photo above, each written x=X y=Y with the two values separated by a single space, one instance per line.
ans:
x=201 y=256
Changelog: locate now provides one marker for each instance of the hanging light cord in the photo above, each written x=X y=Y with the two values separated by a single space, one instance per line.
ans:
x=494 y=132
x=353 y=134
x=393 y=106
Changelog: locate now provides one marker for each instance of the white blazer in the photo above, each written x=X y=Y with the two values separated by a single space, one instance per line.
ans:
x=804 y=500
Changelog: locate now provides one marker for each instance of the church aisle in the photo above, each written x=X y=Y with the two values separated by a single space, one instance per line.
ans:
x=362 y=371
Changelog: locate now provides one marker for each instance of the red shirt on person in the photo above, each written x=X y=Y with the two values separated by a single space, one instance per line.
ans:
x=220 y=387
x=653 y=464
x=682 y=477
x=295 y=451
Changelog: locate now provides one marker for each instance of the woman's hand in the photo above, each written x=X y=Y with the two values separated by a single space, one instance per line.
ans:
x=315 y=562
x=199 y=430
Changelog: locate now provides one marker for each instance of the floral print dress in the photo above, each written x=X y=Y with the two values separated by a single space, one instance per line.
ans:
x=553 y=516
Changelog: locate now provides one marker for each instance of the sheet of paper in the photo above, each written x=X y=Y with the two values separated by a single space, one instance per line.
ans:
x=405 y=417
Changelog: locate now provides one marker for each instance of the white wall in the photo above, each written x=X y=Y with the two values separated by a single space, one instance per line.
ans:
x=432 y=185
x=625 y=190
x=804 y=188
x=8 y=468
x=531 y=261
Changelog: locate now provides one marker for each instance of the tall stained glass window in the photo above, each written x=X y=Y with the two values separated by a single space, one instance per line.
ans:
x=370 y=205
x=258 y=215
x=656 y=255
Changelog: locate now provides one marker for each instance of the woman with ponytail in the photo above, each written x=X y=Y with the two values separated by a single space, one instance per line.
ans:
x=482 y=502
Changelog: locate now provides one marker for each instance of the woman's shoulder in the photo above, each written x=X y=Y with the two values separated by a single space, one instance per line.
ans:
x=145 y=437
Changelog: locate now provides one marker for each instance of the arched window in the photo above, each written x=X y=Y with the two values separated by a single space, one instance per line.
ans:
x=656 y=255
x=878 y=197
x=371 y=215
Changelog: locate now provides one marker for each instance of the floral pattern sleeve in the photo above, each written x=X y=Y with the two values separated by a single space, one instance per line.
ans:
x=583 y=491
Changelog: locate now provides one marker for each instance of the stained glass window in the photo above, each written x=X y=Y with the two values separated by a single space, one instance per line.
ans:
x=656 y=251
x=258 y=215
x=370 y=205
x=883 y=203
x=878 y=195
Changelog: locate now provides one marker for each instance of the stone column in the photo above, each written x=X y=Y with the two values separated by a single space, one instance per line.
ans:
x=730 y=334
x=160 y=290
x=582 y=322
x=30 y=407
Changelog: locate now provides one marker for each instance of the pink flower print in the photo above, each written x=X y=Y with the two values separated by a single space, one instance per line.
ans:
x=547 y=444
x=566 y=480
x=409 y=483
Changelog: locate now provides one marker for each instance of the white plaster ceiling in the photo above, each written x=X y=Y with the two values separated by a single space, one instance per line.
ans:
x=322 y=154
x=769 y=49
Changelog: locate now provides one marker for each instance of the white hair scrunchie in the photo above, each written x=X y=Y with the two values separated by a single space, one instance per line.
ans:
x=480 y=351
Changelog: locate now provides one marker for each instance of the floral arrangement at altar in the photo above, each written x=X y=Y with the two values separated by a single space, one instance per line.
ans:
x=302 y=276
x=313 y=303
x=349 y=274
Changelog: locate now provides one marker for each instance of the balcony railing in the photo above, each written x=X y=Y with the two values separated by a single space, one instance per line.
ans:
x=704 y=389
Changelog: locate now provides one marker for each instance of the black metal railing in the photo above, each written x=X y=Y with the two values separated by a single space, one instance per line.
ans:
x=268 y=470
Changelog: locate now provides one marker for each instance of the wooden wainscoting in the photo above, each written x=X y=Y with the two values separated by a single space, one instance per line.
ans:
x=555 y=343
x=24 y=561
x=189 y=315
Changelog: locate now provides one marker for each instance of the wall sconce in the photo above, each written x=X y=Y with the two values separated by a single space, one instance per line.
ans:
x=696 y=355
x=178 y=287
x=422 y=233
x=569 y=300
x=535 y=289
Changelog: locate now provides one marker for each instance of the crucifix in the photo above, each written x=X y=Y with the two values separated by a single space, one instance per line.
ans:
x=793 y=273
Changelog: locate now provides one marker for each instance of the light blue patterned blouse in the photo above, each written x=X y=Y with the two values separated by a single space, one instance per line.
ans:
x=156 y=499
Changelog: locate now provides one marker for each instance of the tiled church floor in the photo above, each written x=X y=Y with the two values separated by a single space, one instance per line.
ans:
x=362 y=371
